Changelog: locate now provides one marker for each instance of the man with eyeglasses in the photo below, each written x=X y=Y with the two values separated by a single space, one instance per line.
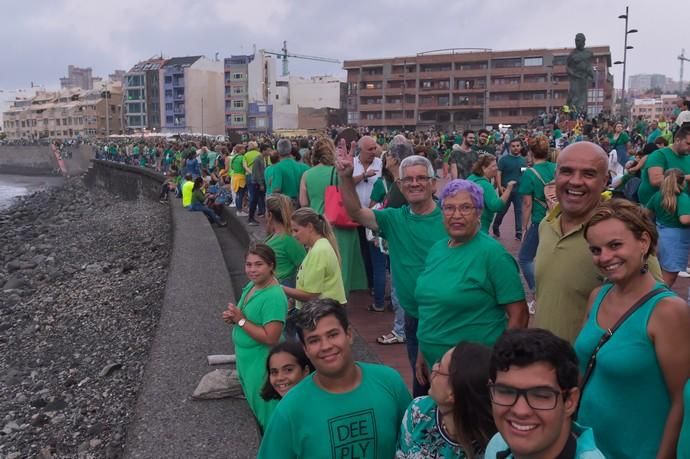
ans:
x=410 y=230
x=534 y=394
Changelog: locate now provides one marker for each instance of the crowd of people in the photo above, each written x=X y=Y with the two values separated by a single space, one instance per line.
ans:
x=602 y=216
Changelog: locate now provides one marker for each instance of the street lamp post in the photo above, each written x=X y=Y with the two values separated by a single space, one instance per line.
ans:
x=626 y=17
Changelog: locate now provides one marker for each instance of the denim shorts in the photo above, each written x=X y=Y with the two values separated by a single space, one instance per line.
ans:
x=674 y=248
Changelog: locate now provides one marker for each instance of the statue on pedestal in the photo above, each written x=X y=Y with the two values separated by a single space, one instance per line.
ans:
x=580 y=75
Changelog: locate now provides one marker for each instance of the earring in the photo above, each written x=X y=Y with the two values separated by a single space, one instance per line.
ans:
x=645 y=266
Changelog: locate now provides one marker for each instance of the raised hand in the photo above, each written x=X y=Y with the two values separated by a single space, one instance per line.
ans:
x=344 y=160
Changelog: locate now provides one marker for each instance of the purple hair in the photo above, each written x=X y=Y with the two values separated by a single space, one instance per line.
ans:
x=458 y=186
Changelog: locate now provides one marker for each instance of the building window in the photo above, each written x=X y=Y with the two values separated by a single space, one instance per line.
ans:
x=238 y=90
x=133 y=94
x=534 y=61
x=134 y=120
x=238 y=119
x=135 y=80
x=238 y=76
x=168 y=93
x=134 y=108
x=237 y=104
x=168 y=80
x=507 y=63
x=560 y=60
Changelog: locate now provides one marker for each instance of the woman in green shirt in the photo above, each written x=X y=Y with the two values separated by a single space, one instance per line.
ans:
x=470 y=289
x=289 y=252
x=484 y=170
x=199 y=203
x=620 y=141
x=258 y=320
x=671 y=205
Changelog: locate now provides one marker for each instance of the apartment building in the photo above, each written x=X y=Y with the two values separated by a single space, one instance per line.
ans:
x=78 y=77
x=192 y=89
x=455 y=89
x=142 y=96
x=654 y=108
x=250 y=92
x=66 y=114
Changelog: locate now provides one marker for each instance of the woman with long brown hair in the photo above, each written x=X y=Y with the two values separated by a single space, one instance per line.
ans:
x=289 y=252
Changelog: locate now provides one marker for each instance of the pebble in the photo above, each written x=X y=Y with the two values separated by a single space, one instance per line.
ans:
x=68 y=263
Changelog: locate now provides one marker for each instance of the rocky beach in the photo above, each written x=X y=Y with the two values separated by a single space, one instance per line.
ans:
x=82 y=278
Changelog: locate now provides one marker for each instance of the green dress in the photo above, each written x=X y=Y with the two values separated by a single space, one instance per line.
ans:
x=317 y=179
x=492 y=203
x=266 y=305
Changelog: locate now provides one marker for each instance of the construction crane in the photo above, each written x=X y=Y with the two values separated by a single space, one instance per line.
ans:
x=682 y=60
x=284 y=56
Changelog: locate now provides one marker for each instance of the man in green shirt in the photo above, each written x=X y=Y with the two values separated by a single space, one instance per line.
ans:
x=675 y=156
x=484 y=145
x=463 y=158
x=510 y=168
x=288 y=172
x=345 y=409
x=410 y=230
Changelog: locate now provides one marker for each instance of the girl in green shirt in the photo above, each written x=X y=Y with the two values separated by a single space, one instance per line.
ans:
x=671 y=205
x=483 y=171
x=289 y=252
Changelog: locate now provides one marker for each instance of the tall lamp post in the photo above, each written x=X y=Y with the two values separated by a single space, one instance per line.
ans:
x=626 y=47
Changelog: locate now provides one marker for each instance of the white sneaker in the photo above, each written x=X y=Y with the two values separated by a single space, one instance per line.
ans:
x=242 y=214
x=684 y=274
x=532 y=307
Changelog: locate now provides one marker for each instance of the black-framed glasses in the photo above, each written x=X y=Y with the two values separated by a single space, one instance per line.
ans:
x=464 y=210
x=421 y=179
x=538 y=398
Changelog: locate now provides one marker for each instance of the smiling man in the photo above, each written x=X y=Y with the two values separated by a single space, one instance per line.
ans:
x=345 y=409
x=565 y=273
x=534 y=394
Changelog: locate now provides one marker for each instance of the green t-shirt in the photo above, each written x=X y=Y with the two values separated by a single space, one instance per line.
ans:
x=268 y=177
x=623 y=139
x=464 y=160
x=237 y=165
x=481 y=149
x=250 y=157
x=461 y=294
x=664 y=158
x=684 y=438
x=187 y=188
x=212 y=158
x=289 y=254
x=492 y=203
x=380 y=190
x=531 y=185
x=310 y=423
x=409 y=239
x=320 y=273
x=511 y=168
x=287 y=176
x=266 y=305
x=663 y=216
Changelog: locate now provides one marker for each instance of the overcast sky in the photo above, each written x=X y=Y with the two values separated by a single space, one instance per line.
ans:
x=40 y=38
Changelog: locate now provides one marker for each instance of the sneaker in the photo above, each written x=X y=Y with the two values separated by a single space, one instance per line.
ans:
x=518 y=237
x=684 y=274
x=252 y=223
x=222 y=224
x=390 y=338
x=374 y=308
x=532 y=307
x=242 y=214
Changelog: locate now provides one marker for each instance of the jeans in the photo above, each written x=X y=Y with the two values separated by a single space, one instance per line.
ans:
x=211 y=215
x=378 y=269
x=257 y=197
x=399 y=320
x=528 y=251
x=516 y=200
x=622 y=154
x=412 y=345
x=239 y=199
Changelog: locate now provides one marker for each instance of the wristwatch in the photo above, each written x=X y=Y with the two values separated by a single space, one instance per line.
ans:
x=241 y=322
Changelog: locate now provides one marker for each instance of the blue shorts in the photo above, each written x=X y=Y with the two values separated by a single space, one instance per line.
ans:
x=674 y=248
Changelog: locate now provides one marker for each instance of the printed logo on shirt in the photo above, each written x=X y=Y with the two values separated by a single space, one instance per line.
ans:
x=353 y=436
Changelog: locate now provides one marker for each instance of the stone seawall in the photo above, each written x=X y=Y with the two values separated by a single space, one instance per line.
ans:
x=26 y=160
x=129 y=182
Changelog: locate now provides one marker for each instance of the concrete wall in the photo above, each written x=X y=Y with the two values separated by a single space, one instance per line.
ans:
x=26 y=160
x=129 y=182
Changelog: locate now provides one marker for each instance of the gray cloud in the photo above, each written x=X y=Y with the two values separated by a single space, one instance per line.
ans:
x=41 y=38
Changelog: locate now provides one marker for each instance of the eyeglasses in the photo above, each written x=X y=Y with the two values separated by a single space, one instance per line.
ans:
x=422 y=180
x=436 y=368
x=464 y=210
x=538 y=398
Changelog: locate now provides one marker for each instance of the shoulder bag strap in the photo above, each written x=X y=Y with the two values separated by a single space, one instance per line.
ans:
x=332 y=174
x=538 y=175
x=607 y=335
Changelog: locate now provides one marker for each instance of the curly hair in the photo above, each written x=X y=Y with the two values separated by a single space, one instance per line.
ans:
x=636 y=218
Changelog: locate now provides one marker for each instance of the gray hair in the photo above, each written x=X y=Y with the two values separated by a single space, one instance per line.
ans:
x=400 y=150
x=284 y=147
x=416 y=160
x=362 y=139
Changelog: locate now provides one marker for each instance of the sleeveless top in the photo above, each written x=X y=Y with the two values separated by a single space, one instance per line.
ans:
x=626 y=400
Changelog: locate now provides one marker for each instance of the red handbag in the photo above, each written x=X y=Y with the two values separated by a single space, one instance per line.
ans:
x=334 y=209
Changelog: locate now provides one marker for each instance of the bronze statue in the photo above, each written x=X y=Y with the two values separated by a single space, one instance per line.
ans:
x=580 y=74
